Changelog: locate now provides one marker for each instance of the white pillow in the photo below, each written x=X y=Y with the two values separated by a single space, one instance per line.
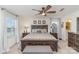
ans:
x=44 y=31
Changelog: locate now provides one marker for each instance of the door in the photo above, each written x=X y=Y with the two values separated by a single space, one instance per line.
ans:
x=54 y=27
x=10 y=37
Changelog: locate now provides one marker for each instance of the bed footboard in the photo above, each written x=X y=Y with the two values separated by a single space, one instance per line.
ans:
x=53 y=44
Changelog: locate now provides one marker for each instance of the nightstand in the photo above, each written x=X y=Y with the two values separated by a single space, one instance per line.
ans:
x=24 y=34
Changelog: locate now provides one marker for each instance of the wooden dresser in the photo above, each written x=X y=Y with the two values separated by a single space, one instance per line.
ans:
x=73 y=40
x=77 y=43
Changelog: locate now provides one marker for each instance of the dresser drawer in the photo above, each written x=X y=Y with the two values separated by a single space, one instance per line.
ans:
x=77 y=41
x=77 y=37
x=70 y=44
x=77 y=47
x=71 y=34
x=71 y=39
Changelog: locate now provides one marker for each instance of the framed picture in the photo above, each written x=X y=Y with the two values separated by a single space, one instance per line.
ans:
x=44 y=22
x=39 y=21
x=34 y=22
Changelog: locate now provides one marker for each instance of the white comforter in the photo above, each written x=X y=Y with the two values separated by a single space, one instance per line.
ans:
x=39 y=36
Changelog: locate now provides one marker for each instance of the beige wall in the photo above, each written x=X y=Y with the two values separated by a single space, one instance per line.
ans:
x=28 y=21
x=1 y=32
x=73 y=16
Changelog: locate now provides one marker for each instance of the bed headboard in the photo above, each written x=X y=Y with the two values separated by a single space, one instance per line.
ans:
x=39 y=28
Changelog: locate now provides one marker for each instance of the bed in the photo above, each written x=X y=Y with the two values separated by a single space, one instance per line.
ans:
x=40 y=37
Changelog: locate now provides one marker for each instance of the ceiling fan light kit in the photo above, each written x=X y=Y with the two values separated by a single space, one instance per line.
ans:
x=45 y=10
x=43 y=14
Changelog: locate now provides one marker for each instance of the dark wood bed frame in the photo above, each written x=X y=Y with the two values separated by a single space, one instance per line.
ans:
x=39 y=27
x=52 y=43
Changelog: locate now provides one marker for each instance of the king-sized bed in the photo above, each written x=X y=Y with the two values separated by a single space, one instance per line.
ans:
x=39 y=38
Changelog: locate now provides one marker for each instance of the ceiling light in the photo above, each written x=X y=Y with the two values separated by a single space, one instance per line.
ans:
x=43 y=14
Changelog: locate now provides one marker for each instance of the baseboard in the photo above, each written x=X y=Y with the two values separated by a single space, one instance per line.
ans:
x=5 y=51
x=1 y=52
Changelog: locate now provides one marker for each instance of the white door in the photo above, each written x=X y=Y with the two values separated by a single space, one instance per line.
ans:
x=10 y=37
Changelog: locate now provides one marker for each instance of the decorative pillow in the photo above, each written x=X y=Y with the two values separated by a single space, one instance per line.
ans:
x=39 y=31
x=44 y=31
x=34 y=31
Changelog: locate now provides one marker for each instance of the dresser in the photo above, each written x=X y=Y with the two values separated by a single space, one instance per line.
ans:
x=77 y=43
x=73 y=40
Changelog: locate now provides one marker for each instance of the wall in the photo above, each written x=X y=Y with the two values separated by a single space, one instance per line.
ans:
x=1 y=48
x=73 y=17
x=5 y=43
x=1 y=32
x=24 y=21
x=28 y=21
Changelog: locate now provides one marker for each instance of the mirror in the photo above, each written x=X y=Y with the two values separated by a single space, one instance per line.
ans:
x=54 y=28
x=68 y=25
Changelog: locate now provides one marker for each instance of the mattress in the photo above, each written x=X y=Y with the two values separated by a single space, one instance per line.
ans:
x=39 y=36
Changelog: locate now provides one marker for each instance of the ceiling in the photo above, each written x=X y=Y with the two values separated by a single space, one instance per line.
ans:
x=26 y=10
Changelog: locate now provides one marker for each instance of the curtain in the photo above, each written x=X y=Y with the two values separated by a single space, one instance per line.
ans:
x=1 y=32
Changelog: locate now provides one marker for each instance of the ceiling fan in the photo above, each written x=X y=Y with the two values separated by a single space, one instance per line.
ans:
x=45 y=10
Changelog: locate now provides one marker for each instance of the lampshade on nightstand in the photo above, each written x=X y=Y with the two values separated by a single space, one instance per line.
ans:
x=25 y=29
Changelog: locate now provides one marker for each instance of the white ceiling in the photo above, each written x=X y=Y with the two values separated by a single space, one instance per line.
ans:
x=26 y=10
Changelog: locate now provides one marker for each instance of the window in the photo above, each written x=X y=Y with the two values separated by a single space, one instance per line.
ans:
x=10 y=25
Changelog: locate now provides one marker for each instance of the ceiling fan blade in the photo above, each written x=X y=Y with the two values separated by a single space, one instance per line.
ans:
x=61 y=9
x=36 y=10
x=51 y=12
x=48 y=7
